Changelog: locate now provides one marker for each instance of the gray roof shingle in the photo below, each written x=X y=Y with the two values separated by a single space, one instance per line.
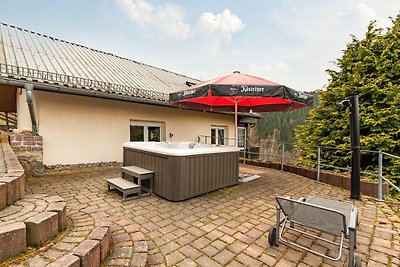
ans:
x=36 y=57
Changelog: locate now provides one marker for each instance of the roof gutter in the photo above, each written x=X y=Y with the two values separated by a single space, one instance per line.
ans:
x=29 y=99
x=82 y=92
x=98 y=94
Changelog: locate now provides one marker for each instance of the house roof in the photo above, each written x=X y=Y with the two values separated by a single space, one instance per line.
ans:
x=27 y=55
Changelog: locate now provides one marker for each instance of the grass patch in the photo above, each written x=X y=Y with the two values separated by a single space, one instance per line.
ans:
x=395 y=206
x=62 y=172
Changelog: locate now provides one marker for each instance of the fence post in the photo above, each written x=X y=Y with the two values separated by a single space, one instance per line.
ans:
x=318 y=163
x=380 y=163
x=282 y=156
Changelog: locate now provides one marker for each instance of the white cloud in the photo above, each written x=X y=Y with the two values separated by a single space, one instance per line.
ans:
x=366 y=12
x=218 y=28
x=211 y=30
x=168 y=18
x=282 y=67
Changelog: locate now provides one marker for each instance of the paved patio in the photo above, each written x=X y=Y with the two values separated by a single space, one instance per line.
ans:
x=228 y=227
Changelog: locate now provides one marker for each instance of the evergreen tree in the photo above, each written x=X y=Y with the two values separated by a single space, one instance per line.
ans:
x=369 y=68
x=285 y=122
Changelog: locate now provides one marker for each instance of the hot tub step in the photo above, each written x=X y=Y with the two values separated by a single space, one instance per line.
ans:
x=124 y=186
x=141 y=176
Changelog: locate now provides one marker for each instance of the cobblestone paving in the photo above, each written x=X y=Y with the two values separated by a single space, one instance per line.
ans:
x=228 y=227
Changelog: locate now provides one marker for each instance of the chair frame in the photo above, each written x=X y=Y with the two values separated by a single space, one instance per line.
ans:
x=349 y=229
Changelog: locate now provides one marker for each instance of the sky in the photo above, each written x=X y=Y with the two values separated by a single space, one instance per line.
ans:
x=291 y=42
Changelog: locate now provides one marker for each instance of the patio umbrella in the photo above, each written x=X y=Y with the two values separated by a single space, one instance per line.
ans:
x=240 y=93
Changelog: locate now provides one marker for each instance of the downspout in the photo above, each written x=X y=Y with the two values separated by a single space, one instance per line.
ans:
x=29 y=99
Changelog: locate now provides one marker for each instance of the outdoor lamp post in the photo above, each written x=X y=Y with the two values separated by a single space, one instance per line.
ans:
x=352 y=102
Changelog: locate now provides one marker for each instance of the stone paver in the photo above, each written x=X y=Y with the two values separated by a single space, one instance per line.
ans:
x=228 y=227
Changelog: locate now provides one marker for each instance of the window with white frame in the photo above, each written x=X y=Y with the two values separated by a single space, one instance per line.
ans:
x=218 y=135
x=146 y=131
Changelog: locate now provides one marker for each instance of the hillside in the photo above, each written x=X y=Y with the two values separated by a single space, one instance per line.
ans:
x=284 y=122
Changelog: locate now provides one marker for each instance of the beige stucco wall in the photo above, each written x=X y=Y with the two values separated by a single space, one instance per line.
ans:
x=24 y=120
x=78 y=129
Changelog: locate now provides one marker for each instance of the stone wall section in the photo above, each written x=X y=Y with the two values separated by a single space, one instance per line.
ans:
x=24 y=141
x=29 y=150
x=12 y=178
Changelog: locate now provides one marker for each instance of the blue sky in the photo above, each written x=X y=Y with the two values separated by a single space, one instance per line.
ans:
x=291 y=42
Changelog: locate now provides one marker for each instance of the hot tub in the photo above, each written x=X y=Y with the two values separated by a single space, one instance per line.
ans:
x=184 y=170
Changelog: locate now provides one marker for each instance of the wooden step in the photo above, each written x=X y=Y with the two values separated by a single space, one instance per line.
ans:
x=124 y=186
x=135 y=171
x=140 y=176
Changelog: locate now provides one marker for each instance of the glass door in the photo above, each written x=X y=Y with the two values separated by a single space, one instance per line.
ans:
x=242 y=136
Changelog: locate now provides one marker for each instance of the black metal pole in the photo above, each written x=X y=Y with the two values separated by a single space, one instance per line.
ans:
x=355 y=147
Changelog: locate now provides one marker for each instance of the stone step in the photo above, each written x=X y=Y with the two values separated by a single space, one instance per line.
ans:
x=3 y=195
x=15 y=186
x=86 y=244
x=42 y=217
x=88 y=252
x=41 y=227
x=11 y=174
x=32 y=205
x=12 y=239
x=102 y=234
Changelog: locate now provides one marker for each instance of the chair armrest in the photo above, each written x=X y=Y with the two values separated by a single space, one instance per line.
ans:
x=352 y=224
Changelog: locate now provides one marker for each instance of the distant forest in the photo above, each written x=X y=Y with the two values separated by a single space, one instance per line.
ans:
x=284 y=122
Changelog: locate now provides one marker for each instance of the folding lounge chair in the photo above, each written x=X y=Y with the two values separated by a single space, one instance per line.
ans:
x=326 y=215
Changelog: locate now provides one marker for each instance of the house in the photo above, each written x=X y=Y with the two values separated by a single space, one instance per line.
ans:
x=82 y=104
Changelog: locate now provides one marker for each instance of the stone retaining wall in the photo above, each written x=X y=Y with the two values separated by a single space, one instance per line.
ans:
x=367 y=187
x=12 y=183
x=34 y=219
x=29 y=150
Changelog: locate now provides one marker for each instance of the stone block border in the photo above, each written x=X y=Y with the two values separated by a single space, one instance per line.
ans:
x=40 y=222
x=87 y=243
x=12 y=183
x=368 y=188
x=34 y=219
x=12 y=239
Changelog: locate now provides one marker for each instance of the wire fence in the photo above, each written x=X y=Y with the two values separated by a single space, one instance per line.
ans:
x=289 y=153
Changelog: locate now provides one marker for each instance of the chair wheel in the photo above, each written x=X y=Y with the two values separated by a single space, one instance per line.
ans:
x=272 y=236
x=357 y=262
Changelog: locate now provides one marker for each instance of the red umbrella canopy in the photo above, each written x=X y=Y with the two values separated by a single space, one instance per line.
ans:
x=246 y=91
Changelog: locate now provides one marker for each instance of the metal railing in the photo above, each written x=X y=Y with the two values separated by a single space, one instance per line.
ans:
x=285 y=157
x=9 y=120
x=72 y=81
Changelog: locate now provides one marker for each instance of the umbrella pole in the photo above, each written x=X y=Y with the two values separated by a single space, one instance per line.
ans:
x=236 y=122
